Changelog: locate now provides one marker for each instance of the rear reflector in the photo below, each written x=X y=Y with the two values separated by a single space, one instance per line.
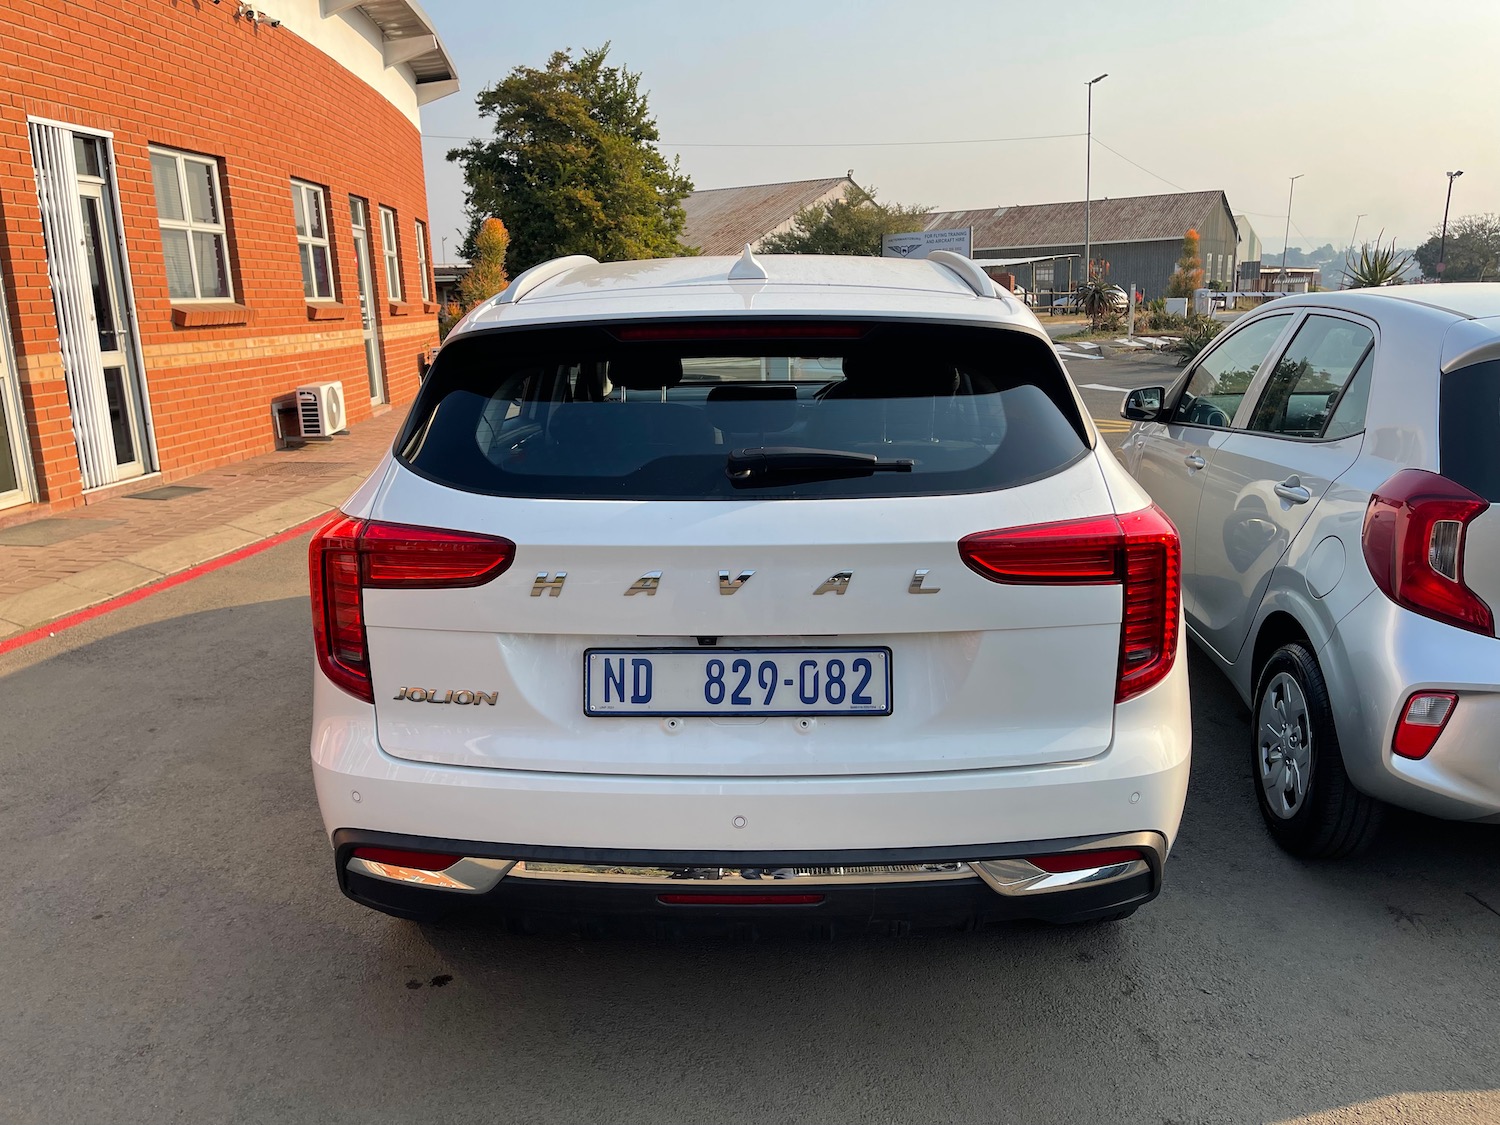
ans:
x=1140 y=551
x=396 y=857
x=1082 y=861
x=739 y=900
x=1422 y=720
x=349 y=556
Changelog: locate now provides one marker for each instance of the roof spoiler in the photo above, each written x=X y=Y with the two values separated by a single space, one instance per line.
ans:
x=540 y=275
x=966 y=271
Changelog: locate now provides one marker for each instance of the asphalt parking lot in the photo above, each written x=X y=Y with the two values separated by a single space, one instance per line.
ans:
x=173 y=948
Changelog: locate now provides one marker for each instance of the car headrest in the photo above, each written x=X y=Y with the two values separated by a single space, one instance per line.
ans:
x=895 y=375
x=760 y=408
x=645 y=371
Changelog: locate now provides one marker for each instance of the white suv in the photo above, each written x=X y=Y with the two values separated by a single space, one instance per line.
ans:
x=1331 y=462
x=716 y=589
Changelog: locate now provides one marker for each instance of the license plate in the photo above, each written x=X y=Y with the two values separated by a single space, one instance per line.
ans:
x=758 y=681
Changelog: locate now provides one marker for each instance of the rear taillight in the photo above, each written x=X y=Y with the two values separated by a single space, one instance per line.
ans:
x=1139 y=551
x=399 y=857
x=1422 y=719
x=1413 y=541
x=349 y=556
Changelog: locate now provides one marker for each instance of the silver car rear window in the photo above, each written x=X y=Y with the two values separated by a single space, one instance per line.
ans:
x=662 y=410
x=1469 y=428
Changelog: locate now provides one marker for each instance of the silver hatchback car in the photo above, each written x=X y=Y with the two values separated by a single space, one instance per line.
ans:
x=1333 y=465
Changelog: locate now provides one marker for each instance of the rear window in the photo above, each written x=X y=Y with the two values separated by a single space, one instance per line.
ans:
x=657 y=411
x=1469 y=428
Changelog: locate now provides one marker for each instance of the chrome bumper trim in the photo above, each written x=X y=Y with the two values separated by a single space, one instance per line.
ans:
x=1013 y=877
x=722 y=877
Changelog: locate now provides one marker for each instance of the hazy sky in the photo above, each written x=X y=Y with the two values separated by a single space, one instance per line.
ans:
x=1371 y=100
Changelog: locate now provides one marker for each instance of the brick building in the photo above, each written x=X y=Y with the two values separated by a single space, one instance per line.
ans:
x=202 y=207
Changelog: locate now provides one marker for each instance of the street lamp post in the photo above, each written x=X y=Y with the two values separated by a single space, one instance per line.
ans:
x=1443 y=243
x=1088 y=168
x=1286 y=238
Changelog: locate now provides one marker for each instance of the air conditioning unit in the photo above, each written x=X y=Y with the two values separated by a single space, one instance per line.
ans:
x=320 y=409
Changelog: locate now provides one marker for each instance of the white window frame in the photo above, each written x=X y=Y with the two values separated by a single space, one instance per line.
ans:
x=315 y=193
x=191 y=226
x=390 y=250
x=424 y=268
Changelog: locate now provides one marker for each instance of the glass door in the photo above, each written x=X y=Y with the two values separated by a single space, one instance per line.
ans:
x=359 y=214
x=121 y=389
x=90 y=280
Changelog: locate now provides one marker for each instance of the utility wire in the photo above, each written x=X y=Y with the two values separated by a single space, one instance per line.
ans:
x=823 y=144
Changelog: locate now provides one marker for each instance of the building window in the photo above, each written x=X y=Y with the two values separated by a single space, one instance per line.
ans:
x=423 y=253
x=311 y=209
x=392 y=253
x=190 y=210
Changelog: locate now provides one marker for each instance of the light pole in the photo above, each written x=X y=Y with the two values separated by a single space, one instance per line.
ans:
x=1088 y=168
x=1285 y=238
x=1443 y=244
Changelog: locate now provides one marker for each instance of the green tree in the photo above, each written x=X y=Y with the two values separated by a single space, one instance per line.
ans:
x=1473 y=252
x=573 y=167
x=854 y=224
x=1189 y=273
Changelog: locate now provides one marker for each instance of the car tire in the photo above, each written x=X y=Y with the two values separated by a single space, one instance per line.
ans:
x=1310 y=806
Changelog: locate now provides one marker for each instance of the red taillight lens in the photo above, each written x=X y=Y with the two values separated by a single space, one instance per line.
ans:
x=398 y=557
x=1414 y=542
x=1082 y=861
x=1423 y=718
x=349 y=556
x=397 y=857
x=1140 y=551
x=338 y=608
x=1153 y=601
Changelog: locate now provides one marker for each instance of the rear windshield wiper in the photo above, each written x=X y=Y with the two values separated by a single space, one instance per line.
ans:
x=772 y=464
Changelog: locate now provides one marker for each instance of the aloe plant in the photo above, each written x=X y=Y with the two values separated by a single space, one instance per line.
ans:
x=1381 y=265
x=1098 y=301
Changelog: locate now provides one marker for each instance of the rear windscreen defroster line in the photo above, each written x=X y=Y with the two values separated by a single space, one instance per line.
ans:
x=655 y=411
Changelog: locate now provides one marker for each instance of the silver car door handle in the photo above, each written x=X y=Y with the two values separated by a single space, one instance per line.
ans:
x=1292 y=492
x=1194 y=461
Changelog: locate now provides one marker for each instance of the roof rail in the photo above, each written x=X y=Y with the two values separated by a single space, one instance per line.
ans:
x=540 y=274
x=967 y=272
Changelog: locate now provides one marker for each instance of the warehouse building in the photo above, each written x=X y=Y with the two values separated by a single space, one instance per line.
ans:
x=204 y=207
x=1133 y=240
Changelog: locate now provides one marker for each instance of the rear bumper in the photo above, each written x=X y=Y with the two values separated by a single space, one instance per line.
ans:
x=881 y=890
x=1381 y=655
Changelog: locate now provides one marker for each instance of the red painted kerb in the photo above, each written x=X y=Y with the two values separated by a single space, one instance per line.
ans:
x=41 y=632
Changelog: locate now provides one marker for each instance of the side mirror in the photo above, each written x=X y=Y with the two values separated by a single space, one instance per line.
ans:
x=1144 y=404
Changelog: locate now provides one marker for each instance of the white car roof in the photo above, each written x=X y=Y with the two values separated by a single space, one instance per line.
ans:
x=574 y=289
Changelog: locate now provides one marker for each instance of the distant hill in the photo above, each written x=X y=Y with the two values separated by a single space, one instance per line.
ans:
x=1330 y=262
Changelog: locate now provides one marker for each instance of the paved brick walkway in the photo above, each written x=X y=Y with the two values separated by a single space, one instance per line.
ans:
x=56 y=564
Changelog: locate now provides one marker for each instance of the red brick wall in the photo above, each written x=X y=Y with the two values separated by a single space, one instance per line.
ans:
x=269 y=106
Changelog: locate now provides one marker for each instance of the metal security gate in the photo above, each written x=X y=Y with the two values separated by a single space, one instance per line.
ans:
x=88 y=269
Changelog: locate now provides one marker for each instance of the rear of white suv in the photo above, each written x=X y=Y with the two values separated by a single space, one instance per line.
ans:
x=809 y=597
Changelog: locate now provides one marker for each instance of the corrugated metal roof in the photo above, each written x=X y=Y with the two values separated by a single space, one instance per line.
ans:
x=1139 y=218
x=723 y=220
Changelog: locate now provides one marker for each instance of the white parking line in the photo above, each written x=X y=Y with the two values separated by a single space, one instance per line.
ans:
x=1101 y=387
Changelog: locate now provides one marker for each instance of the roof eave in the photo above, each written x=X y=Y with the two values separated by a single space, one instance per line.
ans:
x=422 y=51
